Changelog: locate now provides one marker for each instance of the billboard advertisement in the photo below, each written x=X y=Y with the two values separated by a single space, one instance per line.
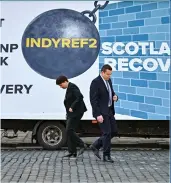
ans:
x=135 y=40
x=41 y=40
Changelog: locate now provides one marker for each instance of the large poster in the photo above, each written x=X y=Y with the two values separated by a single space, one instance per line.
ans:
x=135 y=40
x=43 y=39
x=36 y=48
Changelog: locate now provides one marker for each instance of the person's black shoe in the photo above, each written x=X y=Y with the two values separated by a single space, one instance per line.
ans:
x=70 y=155
x=95 y=151
x=108 y=158
x=81 y=151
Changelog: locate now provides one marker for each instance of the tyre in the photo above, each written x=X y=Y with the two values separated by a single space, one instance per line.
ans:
x=51 y=135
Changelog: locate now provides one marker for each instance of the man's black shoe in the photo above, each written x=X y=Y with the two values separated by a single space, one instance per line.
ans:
x=107 y=159
x=81 y=151
x=70 y=155
x=95 y=151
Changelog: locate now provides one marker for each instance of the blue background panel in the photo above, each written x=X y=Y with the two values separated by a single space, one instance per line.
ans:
x=142 y=94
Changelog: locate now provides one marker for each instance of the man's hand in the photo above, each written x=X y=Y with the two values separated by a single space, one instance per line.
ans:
x=115 y=98
x=100 y=119
x=70 y=110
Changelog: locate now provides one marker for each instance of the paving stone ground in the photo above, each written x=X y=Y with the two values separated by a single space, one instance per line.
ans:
x=136 y=166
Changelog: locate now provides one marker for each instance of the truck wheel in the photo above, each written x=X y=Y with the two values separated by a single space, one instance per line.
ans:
x=51 y=135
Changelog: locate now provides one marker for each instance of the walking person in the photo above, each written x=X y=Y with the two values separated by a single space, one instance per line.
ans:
x=102 y=97
x=75 y=108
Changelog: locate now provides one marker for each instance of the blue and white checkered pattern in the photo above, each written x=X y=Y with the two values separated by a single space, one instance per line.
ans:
x=142 y=94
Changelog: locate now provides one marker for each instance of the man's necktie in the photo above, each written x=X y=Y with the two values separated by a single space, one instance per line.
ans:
x=110 y=93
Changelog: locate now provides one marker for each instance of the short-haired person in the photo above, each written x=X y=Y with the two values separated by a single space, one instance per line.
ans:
x=102 y=97
x=75 y=108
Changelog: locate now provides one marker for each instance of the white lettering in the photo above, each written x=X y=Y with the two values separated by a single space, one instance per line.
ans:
x=166 y=66
x=136 y=64
x=122 y=63
x=107 y=50
x=108 y=47
x=152 y=50
x=132 y=62
x=164 y=49
x=118 y=52
x=143 y=47
x=146 y=64
x=112 y=62
x=129 y=51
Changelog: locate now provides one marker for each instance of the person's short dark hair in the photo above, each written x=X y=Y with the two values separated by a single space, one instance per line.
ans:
x=61 y=79
x=106 y=67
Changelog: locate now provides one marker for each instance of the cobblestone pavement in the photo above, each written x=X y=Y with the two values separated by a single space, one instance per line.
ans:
x=48 y=166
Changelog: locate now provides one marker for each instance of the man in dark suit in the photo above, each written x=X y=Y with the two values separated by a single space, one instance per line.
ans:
x=75 y=108
x=102 y=97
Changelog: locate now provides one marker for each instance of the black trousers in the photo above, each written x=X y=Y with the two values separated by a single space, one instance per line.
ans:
x=109 y=130
x=73 y=140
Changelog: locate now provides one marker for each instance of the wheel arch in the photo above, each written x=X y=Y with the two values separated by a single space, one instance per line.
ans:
x=39 y=123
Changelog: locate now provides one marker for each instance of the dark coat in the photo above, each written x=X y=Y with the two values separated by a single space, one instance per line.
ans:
x=99 y=97
x=74 y=99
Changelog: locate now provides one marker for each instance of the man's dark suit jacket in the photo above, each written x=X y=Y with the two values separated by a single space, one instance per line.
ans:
x=74 y=99
x=99 y=97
